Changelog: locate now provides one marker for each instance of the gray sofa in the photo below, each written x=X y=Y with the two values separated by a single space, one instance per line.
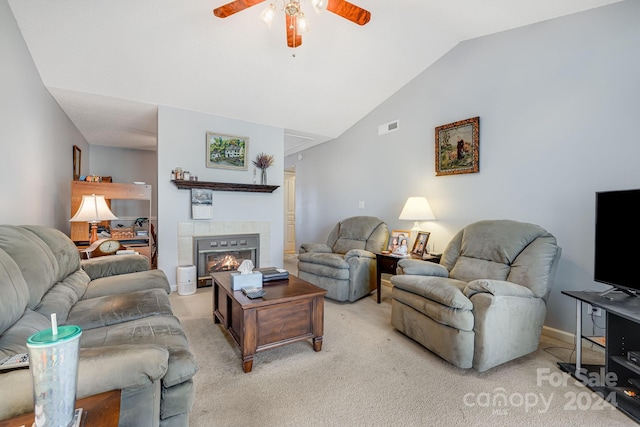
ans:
x=485 y=303
x=346 y=264
x=130 y=339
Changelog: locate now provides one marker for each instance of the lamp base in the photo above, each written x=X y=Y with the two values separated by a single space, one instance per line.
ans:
x=94 y=233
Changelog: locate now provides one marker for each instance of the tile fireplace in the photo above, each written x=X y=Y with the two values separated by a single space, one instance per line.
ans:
x=188 y=231
x=213 y=254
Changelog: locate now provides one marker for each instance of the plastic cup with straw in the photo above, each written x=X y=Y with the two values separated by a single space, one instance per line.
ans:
x=54 y=355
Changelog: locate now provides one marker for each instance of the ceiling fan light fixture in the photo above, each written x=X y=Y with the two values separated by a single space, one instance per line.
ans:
x=319 y=5
x=303 y=25
x=267 y=14
x=292 y=7
x=295 y=21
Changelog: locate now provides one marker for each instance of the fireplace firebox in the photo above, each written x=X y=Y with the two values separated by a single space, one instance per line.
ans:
x=223 y=253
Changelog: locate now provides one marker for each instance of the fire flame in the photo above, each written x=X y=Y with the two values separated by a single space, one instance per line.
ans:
x=223 y=263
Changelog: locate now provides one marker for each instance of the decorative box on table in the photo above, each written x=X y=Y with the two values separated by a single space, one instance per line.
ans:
x=123 y=233
x=252 y=280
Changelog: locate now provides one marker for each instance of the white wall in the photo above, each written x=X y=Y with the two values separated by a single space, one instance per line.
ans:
x=36 y=139
x=558 y=106
x=182 y=143
x=127 y=166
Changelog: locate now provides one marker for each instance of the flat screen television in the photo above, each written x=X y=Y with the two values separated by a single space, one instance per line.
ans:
x=617 y=234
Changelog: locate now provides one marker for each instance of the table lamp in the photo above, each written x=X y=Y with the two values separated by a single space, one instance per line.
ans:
x=416 y=209
x=93 y=210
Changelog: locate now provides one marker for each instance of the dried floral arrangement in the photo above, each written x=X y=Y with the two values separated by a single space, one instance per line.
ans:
x=263 y=160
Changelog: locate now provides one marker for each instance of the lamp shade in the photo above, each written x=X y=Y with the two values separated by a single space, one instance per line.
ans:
x=417 y=209
x=93 y=209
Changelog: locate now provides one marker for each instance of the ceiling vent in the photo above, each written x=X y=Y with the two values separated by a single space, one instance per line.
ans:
x=389 y=127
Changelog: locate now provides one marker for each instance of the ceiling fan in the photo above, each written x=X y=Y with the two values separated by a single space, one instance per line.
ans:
x=295 y=20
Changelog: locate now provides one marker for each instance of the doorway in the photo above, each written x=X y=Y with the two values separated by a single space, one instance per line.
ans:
x=289 y=212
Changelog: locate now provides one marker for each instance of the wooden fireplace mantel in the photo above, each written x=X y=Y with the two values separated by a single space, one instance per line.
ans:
x=225 y=186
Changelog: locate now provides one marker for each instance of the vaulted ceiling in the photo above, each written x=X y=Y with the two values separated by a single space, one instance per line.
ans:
x=110 y=64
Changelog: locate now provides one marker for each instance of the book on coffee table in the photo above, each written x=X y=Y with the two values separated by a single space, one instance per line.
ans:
x=269 y=274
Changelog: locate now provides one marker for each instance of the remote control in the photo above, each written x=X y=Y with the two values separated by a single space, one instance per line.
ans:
x=20 y=360
x=253 y=292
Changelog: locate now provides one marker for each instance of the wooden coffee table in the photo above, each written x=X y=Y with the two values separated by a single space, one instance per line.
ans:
x=291 y=310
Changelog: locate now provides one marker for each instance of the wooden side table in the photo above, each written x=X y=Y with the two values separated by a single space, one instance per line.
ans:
x=100 y=410
x=387 y=263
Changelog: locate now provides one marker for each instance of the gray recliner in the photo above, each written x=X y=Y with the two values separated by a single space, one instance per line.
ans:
x=346 y=265
x=485 y=303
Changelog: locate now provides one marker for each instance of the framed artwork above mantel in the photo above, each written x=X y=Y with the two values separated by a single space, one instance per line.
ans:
x=227 y=151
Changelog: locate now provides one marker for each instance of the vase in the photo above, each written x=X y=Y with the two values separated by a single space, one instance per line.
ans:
x=263 y=177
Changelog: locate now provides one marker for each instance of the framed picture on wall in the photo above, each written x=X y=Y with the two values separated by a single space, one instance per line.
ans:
x=77 y=162
x=457 y=147
x=227 y=151
x=420 y=245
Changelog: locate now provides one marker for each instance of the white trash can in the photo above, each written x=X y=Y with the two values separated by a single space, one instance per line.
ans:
x=187 y=281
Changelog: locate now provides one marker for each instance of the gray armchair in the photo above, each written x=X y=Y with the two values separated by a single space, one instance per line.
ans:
x=485 y=303
x=346 y=265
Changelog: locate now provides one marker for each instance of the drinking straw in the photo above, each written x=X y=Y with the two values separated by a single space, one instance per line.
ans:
x=54 y=325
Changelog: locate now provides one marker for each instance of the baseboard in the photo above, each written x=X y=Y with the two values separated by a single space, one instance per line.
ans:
x=568 y=338
x=558 y=334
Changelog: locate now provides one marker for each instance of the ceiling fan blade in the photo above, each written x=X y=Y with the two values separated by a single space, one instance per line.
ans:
x=293 y=38
x=233 y=7
x=349 y=11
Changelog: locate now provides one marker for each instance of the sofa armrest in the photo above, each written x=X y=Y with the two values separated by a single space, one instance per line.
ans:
x=315 y=247
x=100 y=369
x=114 y=264
x=120 y=366
x=359 y=253
x=421 y=268
x=497 y=288
x=124 y=283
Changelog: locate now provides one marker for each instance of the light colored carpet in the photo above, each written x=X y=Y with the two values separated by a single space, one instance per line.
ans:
x=369 y=374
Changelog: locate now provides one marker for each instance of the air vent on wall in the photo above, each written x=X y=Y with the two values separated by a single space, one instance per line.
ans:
x=389 y=127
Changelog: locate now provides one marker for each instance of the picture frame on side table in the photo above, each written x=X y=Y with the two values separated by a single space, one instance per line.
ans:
x=457 y=147
x=227 y=151
x=395 y=239
x=420 y=245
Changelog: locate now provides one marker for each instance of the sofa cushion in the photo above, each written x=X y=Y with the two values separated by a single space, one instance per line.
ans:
x=162 y=330
x=33 y=256
x=338 y=271
x=498 y=241
x=354 y=233
x=111 y=309
x=456 y=318
x=14 y=339
x=63 y=295
x=439 y=289
x=468 y=269
x=14 y=294
x=63 y=249
x=331 y=260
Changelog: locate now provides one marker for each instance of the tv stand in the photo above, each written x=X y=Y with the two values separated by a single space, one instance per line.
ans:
x=613 y=289
x=622 y=335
